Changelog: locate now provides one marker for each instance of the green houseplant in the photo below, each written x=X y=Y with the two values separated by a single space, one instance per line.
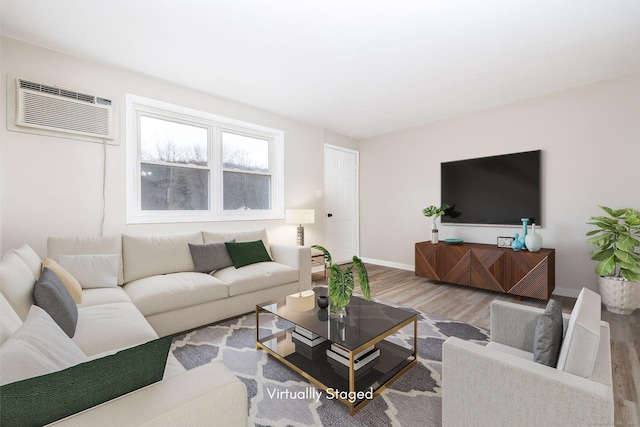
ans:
x=342 y=282
x=617 y=240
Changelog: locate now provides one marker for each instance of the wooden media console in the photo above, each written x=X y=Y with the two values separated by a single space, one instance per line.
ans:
x=521 y=273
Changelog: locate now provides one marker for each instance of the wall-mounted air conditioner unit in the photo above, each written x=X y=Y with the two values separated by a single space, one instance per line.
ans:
x=59 y=112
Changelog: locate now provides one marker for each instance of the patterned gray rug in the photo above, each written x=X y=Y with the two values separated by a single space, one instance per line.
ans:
x=413 y=400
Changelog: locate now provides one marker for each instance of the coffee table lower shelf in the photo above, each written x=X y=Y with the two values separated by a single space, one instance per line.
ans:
x=394 y=361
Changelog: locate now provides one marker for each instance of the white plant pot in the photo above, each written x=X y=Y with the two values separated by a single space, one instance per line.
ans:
x=619 y=296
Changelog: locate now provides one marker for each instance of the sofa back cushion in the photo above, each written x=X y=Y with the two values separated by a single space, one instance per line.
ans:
x=239 y=236
x=38 y=347
x=580 y=344
x=9 y=320
x=93 y=271
x=31 y=258
x=57 y=246
x=146 y=256
x=16 y=283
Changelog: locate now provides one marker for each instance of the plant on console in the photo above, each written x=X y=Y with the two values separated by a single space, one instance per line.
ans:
x=435 y=212
x=341 y=282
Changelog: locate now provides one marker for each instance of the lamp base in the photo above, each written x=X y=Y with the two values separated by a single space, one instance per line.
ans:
x=300 y=236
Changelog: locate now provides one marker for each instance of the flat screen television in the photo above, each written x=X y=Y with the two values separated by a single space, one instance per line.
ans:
x=496 y=190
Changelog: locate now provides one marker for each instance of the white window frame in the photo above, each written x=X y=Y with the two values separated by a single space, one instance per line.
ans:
x=137 y=106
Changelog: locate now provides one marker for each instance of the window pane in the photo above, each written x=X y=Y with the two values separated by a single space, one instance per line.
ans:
x=245 y=153
x=166 y=141
x=174 y=188
x=245 y=191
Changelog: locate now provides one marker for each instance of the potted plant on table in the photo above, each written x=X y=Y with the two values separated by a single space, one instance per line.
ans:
x=435 y=212
x=341 y=283
x=617 y=241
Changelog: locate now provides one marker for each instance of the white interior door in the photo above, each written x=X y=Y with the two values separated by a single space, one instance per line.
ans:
x=341 y=202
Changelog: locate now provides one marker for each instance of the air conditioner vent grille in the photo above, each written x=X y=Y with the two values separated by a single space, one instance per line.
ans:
x=45 y=111
x=52 y=108
x=52 y=90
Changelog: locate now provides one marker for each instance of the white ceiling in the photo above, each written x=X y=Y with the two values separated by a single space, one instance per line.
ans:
x=357 y=67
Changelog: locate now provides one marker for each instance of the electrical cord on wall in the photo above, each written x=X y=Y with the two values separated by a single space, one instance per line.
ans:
x=104 y=186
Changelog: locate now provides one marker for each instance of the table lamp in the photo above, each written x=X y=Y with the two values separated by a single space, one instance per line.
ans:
x=300 y=216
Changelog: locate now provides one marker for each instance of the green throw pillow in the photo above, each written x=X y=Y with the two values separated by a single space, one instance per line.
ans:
x=47 y=398
x=245 y=253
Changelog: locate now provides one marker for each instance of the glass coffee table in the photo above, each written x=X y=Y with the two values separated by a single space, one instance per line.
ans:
x=363 y=331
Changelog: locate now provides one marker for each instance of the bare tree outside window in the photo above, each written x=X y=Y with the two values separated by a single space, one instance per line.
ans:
x=174 y=169
x=246 y=175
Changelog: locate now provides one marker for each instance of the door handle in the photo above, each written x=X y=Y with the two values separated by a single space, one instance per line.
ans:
x=329 y=215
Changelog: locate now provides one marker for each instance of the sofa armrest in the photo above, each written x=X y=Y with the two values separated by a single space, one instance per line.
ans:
x=493 y=388
x=207 y=395
x=298 y=257
x=515 y=324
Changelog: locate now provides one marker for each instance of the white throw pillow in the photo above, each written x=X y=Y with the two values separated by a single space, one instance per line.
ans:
x=579 y=348
x=37 y=348
x=92 y=271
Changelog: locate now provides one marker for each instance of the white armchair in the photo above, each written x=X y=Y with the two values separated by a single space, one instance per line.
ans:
x=501 y=385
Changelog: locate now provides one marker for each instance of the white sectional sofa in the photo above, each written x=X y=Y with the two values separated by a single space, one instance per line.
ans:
x=157 y=294
x=157 y=274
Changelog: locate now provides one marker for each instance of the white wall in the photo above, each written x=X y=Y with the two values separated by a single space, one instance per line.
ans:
x=590 y=142
x=53 y=186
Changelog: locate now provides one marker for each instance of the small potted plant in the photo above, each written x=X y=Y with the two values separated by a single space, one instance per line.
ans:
x=435 y=212
x=341 y=283
x=617 y=241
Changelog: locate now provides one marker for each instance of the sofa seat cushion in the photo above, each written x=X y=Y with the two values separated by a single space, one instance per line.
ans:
x=159 y=294
x=99 y=296
x=111 y=326
x=256 y=277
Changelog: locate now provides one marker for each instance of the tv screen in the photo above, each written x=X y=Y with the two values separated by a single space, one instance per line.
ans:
x=497 y=190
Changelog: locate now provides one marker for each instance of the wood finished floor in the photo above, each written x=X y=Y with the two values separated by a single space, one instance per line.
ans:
x=472 y=306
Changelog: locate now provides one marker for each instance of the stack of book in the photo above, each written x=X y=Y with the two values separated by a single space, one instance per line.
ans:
x=338 y=358
x=309 y=344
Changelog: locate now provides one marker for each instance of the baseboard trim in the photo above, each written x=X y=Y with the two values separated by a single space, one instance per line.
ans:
x=408 y=267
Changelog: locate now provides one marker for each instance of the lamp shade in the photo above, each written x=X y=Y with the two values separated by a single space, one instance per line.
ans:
x=302 y=301
x=300 y=216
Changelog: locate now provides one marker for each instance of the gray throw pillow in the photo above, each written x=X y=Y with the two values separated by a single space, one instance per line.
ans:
x=51 y=295
x=210 y=256
x=548 y=335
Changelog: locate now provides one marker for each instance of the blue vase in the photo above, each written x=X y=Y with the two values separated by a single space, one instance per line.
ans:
x=525 y=221
x=517 y=243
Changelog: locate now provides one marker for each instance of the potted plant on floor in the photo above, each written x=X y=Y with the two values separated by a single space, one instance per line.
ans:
x=341 y=283
x=617 y=241
x=435 y=212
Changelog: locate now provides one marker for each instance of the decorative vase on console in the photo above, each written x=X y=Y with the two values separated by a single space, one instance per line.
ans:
x=533 y=239
x=517 y=243
x=523 y=237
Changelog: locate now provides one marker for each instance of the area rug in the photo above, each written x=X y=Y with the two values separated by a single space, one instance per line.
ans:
x=279 y=396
